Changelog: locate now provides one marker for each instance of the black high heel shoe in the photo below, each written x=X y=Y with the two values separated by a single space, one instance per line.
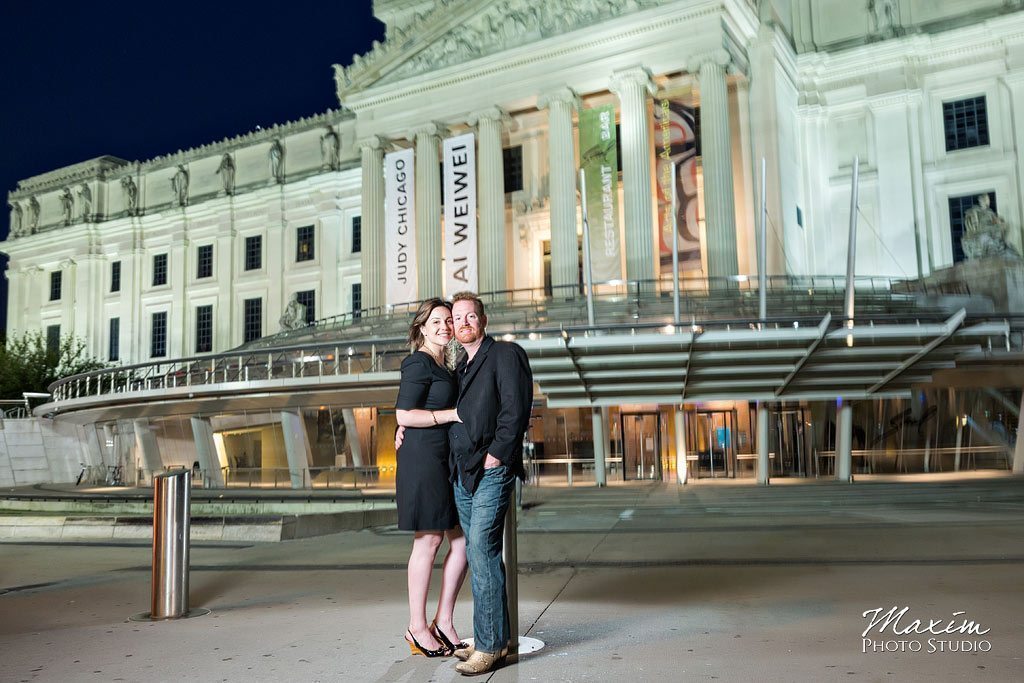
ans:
x=445 y=640
x=417 y=649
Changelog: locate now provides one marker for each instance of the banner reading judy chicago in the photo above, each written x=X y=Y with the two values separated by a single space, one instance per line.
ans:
x=675 y=142
x=599 y=162
x=460 y=260
x=399 y=227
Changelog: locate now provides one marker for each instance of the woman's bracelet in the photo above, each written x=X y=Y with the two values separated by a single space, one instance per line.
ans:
x=433 y=417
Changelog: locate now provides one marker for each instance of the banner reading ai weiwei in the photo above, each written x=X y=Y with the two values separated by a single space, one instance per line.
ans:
x=460 y=259
x=399 y=227
x=599 y=162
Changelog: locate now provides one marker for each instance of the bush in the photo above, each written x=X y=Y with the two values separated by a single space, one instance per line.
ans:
x=28 y=364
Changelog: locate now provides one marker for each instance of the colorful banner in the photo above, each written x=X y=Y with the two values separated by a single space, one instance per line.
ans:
x=399 y=227
x=460 y=259
x=599 y=161
x=675 y=142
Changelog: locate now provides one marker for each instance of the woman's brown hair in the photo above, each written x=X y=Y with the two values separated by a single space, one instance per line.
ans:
x=420 y=319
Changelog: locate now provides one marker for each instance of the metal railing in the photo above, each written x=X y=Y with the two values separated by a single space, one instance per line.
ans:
x=931 y=458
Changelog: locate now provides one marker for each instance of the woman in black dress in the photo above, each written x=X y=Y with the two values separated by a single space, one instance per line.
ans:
x=426 y=502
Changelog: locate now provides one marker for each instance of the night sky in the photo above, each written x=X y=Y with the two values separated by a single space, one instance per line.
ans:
x=141 y=79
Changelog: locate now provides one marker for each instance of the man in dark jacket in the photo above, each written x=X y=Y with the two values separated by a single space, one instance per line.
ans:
x=495 y=397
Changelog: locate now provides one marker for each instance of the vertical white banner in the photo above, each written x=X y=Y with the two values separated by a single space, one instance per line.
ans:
x=460 y=256
x=399 y=227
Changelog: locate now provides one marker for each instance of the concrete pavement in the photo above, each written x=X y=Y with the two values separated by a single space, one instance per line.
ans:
x=643 y=582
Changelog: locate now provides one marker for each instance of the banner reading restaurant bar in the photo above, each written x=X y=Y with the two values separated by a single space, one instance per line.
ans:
x=599 y=161
x=399 y=227
x=675 y=142
x=460 y=260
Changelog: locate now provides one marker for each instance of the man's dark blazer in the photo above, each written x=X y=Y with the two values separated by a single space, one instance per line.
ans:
x=495 y=398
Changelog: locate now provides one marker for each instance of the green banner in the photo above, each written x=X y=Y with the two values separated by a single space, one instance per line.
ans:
x=599 y=162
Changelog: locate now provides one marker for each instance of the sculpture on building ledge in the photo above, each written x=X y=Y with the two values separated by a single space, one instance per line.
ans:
x=884 y=18
x=67 y=205
x=179 y=183
x=276 y=157
x=33 y=215
x=17 y=216
x=330 y=147
x=226 y=171
x=294 y=315
x=985 y=233
x=85 y=202
x=131 y=195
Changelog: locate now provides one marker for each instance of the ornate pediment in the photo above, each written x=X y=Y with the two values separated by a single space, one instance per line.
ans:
x=458 y=31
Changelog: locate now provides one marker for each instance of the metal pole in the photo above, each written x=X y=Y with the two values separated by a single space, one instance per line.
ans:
x=762 y=243
x=510 y=553
x=763 y=461
x=588 y=276
x=172 y=493
x=675 y=250
x=851 y=251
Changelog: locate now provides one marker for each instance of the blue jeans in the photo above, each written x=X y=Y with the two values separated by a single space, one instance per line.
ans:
x=482 y=516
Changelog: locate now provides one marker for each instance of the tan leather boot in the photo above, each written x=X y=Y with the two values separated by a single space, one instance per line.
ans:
x=481 y=662
x=464 y=653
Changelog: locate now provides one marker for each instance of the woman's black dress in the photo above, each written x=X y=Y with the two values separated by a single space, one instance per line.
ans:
x=423 y=485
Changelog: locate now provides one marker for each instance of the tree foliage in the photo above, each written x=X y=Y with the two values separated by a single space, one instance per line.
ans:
x=28 y=363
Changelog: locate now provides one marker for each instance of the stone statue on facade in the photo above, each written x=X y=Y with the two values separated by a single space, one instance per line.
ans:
x=17 y=216
x=179 y=184
x=33 y=215
x=294 y=315
x=330 y=147
x=883 y=15
x=84 y=202
x=985 y=233
x=67 y=205
x=131 y=195
x=226 y=171
x=276 y=158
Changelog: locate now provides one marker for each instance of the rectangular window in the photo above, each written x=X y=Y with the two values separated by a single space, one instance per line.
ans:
x=115 y=276
x=304 y=247
x=965 y=123
x=159 y=270
x=254 y=252
x=53 y=338
x=357 y=234
x=204 y=261
x=158 y=336
x=957 y=208
x=204 y=329
x=114 y=343
x=513 y=162
x=357 y=300
x=308 y=299
x=56 y=280
x=252 y=323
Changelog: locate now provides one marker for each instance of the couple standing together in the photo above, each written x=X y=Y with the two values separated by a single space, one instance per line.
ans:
x=459 y=452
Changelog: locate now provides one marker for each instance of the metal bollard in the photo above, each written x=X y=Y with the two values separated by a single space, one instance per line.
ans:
x=510 y=556
x=172 y=493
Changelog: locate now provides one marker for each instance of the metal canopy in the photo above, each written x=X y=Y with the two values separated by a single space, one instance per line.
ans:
x=682 y=364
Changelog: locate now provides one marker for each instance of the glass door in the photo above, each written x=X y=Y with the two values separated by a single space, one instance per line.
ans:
x=641 y=445
x=712 y=436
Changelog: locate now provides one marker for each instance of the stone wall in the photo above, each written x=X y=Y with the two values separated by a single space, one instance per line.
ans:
x=36 y=451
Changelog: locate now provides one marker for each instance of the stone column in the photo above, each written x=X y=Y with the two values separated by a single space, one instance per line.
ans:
x=15 y=313
x=296 y=447
x=372 y=255
x=352 y=436
x=1018 y=450
x=597 y=417
x=491 y=198
x=680 y=429
x=844 y=442
x=206 y=451
x=716 y=149
x=428 y=212
x=632 y=86
x=562 y=188
x=763 y=461
x=145 y=441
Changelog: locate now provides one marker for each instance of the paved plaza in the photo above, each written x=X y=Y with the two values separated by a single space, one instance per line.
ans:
x=649 y=582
